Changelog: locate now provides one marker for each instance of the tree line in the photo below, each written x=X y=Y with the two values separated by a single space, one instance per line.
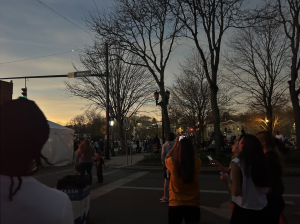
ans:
x=256 y=67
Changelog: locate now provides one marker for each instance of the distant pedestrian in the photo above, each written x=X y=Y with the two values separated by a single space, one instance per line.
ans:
x=156 y=144
x=242 y=134
x=279 y=136
x=101 y=146
x=184 y=194
x=85 y=153
x=137 y=146
x=275 y=201
x=248 y=183
x=23 y=199
x=99 y=163
x=164 y=151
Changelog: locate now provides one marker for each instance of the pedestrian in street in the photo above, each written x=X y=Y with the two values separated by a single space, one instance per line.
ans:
x=85 y=153
x=214 y=162
x=275 y=201
x=165 y=150
x=99 y=163
x=101 y=146
x=156 y=144
x=242 y=134
x=137 y=146
x=249 y=182
x=279 y=136
x=184 y=194
x=23 y=199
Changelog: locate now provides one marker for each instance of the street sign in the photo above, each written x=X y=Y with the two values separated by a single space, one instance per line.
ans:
x=103 y=130
x=126 y=122
x=79 y=74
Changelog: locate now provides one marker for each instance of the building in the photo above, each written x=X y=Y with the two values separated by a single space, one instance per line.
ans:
x=229 y=128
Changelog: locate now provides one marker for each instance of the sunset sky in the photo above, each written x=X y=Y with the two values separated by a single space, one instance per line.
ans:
x=29 y=29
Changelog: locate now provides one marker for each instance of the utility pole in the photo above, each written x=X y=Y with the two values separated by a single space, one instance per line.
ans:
x=107 y=106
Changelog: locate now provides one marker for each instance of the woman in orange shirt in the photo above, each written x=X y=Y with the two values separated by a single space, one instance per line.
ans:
x=184 y=195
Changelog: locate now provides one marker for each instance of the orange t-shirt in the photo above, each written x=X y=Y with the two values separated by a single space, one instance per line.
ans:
x=180 y=193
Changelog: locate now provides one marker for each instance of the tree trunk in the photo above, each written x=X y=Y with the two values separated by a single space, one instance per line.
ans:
x=201 y=130
x=296 y=110
x=216 y=115
x=165 y=111
x=270 y=120
x=122 y=137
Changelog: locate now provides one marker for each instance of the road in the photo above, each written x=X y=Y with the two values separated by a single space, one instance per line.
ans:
x=132 y=196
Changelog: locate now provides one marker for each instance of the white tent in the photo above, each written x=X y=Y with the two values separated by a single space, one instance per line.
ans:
x=59 y=146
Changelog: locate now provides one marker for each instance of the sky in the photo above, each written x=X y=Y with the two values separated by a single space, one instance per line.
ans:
x=29 y=29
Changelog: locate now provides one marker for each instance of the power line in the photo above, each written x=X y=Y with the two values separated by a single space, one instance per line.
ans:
x=63 y=16
x=26 y=59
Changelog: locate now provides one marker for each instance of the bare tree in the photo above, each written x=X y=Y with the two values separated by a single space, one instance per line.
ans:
x=257 y=59
x=144 y=28
x=191 y=93
x=130 y=85
x=213 y=17
x=289 y=15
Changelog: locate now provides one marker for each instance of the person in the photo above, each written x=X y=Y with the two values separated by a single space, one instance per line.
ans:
x=99 y=163
x=156 y=144
x=184 y=194
x=275 y=205
x=96 y=145
x=242 y=134
x=101 y=146
x=85 y=154
x=23 y=199
x=165 y=150
x=214 y=162
x=279 y=136
x=248 y=183
x=137 y=146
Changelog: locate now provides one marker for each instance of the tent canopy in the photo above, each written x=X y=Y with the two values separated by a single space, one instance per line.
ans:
x=59 y=147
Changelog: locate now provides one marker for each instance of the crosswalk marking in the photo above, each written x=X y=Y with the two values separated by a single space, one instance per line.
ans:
x=112 y=186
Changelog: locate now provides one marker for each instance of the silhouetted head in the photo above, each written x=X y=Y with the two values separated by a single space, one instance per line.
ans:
x=22 y=119
x=171 y=136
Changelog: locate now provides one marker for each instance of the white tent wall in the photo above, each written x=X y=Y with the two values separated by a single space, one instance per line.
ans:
x=59 y=147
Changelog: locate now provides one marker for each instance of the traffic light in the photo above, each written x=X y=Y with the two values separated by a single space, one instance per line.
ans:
x=24 y=92
x=191 y=129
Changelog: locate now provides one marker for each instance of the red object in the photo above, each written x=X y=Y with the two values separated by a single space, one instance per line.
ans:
x=191 y=129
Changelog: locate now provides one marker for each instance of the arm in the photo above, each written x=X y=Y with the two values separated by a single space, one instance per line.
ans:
x=222 y=168
x=171 y=153
x=234 y=185
x=163 y=155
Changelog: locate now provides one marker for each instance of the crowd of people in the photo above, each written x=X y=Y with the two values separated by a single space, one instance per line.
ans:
x=254 y=177
x=253 y=180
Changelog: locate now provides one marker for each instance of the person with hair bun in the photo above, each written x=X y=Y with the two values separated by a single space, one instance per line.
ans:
x=184 y=195
x=23 y=198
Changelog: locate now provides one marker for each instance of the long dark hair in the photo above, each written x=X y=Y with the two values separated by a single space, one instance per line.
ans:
x=273 y=144
x=253 y=161
x=24 y=131
x=185 y=160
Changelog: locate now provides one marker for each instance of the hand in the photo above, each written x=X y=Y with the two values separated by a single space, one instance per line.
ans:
x=216 y=163
x=225 y=178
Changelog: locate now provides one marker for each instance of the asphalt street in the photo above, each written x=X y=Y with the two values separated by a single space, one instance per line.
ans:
x=132 y=196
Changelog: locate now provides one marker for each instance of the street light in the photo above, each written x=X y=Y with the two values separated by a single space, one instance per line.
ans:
x=156 y=97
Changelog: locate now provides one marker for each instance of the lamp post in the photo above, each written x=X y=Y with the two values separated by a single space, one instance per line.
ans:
x=111 y=124
x=156 y=97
